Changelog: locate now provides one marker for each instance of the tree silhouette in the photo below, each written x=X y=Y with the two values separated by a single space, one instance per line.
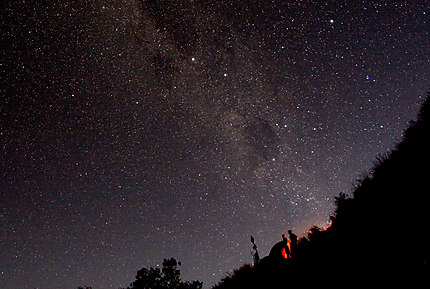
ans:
x=169 y=277
x=255 y=255
x=172 y=276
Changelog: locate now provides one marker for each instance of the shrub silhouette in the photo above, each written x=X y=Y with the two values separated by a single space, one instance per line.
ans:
x=383 y=224
x=169 y=277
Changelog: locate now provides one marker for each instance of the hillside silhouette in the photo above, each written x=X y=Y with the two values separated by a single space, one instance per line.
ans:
x=384 y=224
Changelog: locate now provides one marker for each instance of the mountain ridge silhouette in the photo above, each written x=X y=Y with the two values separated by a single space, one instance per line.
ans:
x=384 y=223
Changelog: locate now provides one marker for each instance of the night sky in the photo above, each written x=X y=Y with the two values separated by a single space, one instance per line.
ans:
x=133 y=131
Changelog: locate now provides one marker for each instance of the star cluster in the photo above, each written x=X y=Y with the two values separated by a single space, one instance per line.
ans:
x=133 y=131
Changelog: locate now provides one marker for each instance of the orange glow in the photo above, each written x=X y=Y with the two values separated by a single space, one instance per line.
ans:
x=284 y=252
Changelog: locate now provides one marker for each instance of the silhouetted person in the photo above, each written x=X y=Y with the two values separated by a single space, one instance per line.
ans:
x=293 y=238
x=280 y=251
x=293 y=242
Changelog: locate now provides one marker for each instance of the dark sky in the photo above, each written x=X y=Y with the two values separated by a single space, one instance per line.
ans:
x=133 y=131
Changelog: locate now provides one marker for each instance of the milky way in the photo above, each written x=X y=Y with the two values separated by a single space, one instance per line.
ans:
x=133 y=131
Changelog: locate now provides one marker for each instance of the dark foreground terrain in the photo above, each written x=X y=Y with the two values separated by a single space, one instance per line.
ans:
x=384 y=224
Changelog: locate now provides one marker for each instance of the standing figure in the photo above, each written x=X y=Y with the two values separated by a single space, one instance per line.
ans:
x=294 y=242
x=281 y=250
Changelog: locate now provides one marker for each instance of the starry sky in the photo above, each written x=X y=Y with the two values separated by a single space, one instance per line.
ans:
x=133 y=131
